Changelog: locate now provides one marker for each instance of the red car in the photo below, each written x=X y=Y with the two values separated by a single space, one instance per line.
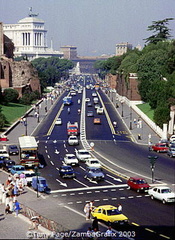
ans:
x=138 y=184
x=160 y=147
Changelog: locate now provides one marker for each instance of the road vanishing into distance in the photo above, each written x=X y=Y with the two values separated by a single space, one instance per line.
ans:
x=120 y=158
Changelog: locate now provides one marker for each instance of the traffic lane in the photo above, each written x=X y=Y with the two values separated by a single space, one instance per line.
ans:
x=130 y=157
x=134 y=206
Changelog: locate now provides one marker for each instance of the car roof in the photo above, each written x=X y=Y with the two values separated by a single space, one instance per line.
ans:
x=107 y=207
x=136 y=178
x=70 y=154
x=161 y=187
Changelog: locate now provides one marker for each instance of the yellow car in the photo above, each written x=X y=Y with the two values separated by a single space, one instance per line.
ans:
x=109 y=214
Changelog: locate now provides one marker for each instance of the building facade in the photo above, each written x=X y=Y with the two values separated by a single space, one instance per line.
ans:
x=30 y=38
x=122 y=48
x=70 y=52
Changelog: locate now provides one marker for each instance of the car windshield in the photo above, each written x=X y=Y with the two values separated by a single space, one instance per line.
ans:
x=84 y=153
x=71 y=157
x=94 y=162
x=13 y=147
x=72 y=138
x=72 y=128
x=166 y=190
x=19 y=169
x=95 y=170
x=29 y=174
x=113 y=212
x=141 y=181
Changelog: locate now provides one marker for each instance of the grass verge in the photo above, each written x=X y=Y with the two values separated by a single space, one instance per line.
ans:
x=145 y=108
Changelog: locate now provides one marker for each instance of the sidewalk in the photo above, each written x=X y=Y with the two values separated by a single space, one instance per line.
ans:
x=140 y=131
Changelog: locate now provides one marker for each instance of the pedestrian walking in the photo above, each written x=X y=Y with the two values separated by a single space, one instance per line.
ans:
x=17 y=208
x=7 y=209
x=119 y=207
x=87 y=210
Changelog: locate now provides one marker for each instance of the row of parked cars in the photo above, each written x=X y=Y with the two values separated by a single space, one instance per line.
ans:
x=165 y=146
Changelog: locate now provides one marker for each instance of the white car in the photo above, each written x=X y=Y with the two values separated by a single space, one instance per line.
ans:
x=29 y=175
x=99 y=110
x=87 y=100
x=70 y=159
x=82 y=154
x=73 y=140
x=4 y=153
x=58 y=121
x=93 y=162
x=162 y=193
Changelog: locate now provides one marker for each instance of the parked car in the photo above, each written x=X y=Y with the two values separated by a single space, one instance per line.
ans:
x=17 y=169
x=171 y=152
x=97 y=121
x=66 y=171
x=110 y=214
x=8 y=164
x=58 y=121
x=93 y=162
x=73 y=140
x=82 y=154
x=71 y=159
x=160 y=147
x=94 y=174
x=138 y=184
x=162 y=193
x=29 y=175
x=90 y=114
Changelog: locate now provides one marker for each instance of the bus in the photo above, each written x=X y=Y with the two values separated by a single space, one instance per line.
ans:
x=28 y=151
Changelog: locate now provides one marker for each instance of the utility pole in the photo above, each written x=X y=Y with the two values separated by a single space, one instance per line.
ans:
x=152 y=161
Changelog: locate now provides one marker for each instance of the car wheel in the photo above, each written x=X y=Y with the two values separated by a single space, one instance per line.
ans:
x=163 y=201
x=152 y=197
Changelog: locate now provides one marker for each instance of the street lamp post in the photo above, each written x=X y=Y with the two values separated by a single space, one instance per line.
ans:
x=152 y=161
x=130 y=126
x=37 y=182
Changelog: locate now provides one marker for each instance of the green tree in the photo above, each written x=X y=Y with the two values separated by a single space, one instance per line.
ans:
x=161 y=115
x=51 y=70
x=160 y=30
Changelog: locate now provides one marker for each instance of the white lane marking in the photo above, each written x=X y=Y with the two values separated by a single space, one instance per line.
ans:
x=105 y=199
x=114 y=198
x=51 y=162
x=109 y=182
x=57 y=168
x=80 y=193
x=61 y=183
x=89 y=192
x=80 y=182
x=79 y=202
x=90 y=188
x=131 y=197
x=46 y=151
x=122 y=197
x=106 y=190
x=48 y=156
x=72 y=194
x=46 y=146
x=114 y=178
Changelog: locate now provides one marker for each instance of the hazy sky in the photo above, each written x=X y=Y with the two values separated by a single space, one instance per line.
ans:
x=94 y=26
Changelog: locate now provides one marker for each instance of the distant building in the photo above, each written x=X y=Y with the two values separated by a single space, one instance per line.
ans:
x=122 y=48
x=30 y=38
x=70 y=52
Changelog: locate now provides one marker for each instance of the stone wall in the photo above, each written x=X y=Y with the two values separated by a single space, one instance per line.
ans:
x=18 y=75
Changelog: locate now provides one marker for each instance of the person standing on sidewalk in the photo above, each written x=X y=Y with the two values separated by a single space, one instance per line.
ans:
x=17 y=208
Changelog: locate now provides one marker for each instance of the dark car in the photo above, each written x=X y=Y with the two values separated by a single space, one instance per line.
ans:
x=90 y=114
x=13 y=150
x=66 y=172
x=2 y=159
x=138 y=184
x=94 y=174
x=8 y=164
x=89 y=104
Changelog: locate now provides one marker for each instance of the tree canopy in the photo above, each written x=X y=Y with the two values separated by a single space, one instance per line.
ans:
x=160 y=30
x=51 y=70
